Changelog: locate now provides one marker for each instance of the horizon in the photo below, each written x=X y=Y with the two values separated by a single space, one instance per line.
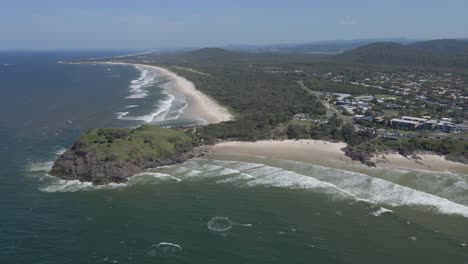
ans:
x=403 y=41
x=156 y=25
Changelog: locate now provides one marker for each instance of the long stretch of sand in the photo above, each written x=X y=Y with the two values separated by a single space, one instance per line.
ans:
x=330 y=154
x=199 y=105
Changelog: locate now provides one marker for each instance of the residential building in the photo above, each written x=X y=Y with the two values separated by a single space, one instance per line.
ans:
x=402 y=123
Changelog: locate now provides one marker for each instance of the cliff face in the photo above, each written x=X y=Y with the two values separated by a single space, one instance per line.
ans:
x=112 y=155
x=87 y=167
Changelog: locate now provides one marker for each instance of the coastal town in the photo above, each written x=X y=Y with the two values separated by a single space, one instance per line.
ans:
x=403 y=104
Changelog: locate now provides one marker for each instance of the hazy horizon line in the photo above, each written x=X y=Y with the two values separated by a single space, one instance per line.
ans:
x=165 y=49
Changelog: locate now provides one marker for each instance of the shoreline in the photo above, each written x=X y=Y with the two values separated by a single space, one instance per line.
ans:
x=319 y=152
x=199 y=105
x=329 y=154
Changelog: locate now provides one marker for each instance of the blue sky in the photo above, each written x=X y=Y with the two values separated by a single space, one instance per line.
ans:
x=145 y=24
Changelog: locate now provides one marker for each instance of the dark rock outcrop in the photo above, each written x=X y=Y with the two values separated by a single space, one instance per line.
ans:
x=86 y=167
x=364 y=156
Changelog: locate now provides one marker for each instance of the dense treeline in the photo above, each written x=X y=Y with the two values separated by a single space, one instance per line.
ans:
x=334 y=130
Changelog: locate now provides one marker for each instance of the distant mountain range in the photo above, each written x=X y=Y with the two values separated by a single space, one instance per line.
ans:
x=439 y=53
x=324 y=47
x=442 y=53
x=212 y=54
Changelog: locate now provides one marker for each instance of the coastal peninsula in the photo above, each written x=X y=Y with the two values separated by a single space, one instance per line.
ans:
x=108 y=155
x=112 y=155
x=279 y=101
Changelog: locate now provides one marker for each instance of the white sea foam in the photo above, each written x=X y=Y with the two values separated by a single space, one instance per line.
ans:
x=67 y=186
x=163 y=108
x=164 y=248
x=58 y=185
x=120 y=115
x=60 y=151
x=139 y=95
x=44 y=166
x=168 y=247
x=158 y=176
x=338 y=183
x=219 y=224
x=40 y=166
x=192 y=173
x=381 y=211
x=138 y=87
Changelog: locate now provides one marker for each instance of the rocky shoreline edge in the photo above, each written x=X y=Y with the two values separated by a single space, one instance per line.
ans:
x=86 y=167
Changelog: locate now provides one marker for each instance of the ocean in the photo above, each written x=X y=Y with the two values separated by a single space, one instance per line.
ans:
x=218 y=209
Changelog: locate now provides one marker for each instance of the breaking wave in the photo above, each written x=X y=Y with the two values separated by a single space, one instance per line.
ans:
x=169 y=107
x=381 y=211
x=339 y=184
x=60 y=151
x=138 y=87
x=44 y=166
x=58 y=185
x=40 y=166
x=163 y=108
x=163 y=248
x=335 y=182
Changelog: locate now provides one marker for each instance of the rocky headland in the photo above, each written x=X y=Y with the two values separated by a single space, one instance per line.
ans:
x=106 y=156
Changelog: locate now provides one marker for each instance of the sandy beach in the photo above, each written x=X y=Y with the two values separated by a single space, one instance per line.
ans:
x=428 y=162
x=330 y=154
x=200 y=106
x=310 y=151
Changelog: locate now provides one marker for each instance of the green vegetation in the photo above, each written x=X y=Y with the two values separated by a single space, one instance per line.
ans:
x=261 y=100
x=334 y=130
x=279 y=96
x=264 y=91
x=145 y=142
x=435 y=53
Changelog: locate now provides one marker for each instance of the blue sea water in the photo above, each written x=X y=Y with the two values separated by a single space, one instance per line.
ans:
x=221 y=209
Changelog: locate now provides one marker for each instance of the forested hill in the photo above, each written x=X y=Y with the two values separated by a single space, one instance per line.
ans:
x=316 y=47
x=434 y=53
x=213 y=54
